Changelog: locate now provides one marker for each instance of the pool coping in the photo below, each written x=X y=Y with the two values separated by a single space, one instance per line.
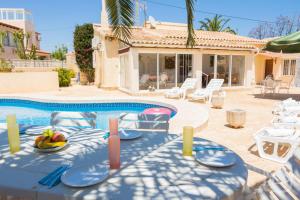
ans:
x=187 y=113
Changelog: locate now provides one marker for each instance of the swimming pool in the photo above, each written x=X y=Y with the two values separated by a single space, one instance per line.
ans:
x=31 y=112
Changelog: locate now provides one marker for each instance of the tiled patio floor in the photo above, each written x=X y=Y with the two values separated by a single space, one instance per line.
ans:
x=258 y=109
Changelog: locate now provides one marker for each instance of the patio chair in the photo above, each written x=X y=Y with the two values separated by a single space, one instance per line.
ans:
x=135 y=121
x=163 y=79
x=268 y=85
x=283 y=184
x=206 y=94
x=285 y=83
x=277 y=143
x=188 y=85
x=286 y=121
x=74 y=119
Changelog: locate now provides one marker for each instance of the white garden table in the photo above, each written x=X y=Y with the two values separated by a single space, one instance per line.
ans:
x=151 y=167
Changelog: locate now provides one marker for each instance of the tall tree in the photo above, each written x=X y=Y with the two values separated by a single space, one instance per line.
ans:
x=2 y=36
x=217 y=23
x=21 y=40
x=283 y=25
x=121 y=15
x=60 y=52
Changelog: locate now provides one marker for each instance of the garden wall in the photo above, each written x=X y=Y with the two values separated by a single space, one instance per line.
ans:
x=20 y=82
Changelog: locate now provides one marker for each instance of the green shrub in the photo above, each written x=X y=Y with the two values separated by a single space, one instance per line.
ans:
x=64 y=77
x=72 y=73
x=5 y=66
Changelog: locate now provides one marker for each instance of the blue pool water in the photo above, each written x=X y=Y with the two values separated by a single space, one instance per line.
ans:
x=38 y=113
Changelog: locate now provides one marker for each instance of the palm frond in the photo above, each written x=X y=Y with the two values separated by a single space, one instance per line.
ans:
x=121 y=17
x=230 y=30
x=190 y=18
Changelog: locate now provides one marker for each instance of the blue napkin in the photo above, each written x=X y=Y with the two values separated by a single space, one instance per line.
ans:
x=53 y=178
x=106 y=135
x=201 y=148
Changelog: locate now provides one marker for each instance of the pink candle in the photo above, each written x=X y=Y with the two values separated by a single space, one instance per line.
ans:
x=114 y=145
x=113 y=126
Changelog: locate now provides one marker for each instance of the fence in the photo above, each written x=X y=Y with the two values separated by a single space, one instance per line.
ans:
x=37 y=63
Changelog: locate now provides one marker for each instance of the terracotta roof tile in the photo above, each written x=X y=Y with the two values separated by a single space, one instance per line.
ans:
x=159 y=38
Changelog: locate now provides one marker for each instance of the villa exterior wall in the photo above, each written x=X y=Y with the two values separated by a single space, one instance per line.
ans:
x=259 y=68
x=22 y=82
x=110 y=71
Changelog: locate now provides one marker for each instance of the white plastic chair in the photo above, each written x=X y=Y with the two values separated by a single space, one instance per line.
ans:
x=272 y=139
x=269 y=85
x=206 y=93
x=176 y=92
x=74 y=119
x=163 y=79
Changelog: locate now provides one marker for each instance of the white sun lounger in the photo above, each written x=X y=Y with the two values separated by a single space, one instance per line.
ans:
x=284 y=183
x=206 y=94
x=286 y=121
x=272 y=138
x=176 y=92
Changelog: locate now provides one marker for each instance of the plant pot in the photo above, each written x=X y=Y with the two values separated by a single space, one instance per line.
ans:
x=83 y=78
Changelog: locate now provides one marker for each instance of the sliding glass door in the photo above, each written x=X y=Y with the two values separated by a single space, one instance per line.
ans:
x=231 y=68
x=238 y=70
x=223 y=69
x=163 y=71
x=167 y=67
x=147 y=71
x=184 y=68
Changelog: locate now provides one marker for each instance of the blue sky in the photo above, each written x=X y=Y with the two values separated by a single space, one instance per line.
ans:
x=56 y=19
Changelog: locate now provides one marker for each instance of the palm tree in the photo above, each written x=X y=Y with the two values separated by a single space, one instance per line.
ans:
x=121 y=16
x=218 y=23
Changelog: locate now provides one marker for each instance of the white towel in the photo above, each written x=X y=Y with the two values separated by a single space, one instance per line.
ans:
x=288 y=120
x=279 y=132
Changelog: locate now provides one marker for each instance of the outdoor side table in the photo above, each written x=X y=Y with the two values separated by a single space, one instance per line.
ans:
x=217 y=101
x=236 y=118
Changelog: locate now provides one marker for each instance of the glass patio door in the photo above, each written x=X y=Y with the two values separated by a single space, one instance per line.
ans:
x=184 y=68
x=223 y=69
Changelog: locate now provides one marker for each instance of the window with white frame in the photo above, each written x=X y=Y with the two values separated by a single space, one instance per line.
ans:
x=289 y=67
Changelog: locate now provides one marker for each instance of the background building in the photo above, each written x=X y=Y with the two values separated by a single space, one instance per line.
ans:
x=12 y=20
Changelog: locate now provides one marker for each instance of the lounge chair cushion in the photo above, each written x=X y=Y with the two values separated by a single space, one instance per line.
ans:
x=277 y=132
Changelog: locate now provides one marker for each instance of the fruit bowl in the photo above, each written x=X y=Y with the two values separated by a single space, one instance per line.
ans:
x=50 y=141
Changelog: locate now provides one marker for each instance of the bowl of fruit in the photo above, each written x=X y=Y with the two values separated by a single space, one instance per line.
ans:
x=50 y=141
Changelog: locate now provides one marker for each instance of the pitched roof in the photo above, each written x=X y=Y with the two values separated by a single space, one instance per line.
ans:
x=161 y=38
x=142 y=37
x=9 y=26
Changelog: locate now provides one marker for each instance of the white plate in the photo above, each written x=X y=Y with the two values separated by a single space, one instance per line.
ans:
x=129 y=134
x=85 y=176
x=216 y=158
x=37 y=130
x=51 y=149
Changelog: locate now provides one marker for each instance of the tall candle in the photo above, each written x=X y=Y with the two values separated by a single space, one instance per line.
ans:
x=114 y=145
x=188 y=134
x=13 y=133
x=113 y=126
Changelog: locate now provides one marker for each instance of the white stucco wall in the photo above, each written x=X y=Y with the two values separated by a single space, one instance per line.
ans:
x=249 y=70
